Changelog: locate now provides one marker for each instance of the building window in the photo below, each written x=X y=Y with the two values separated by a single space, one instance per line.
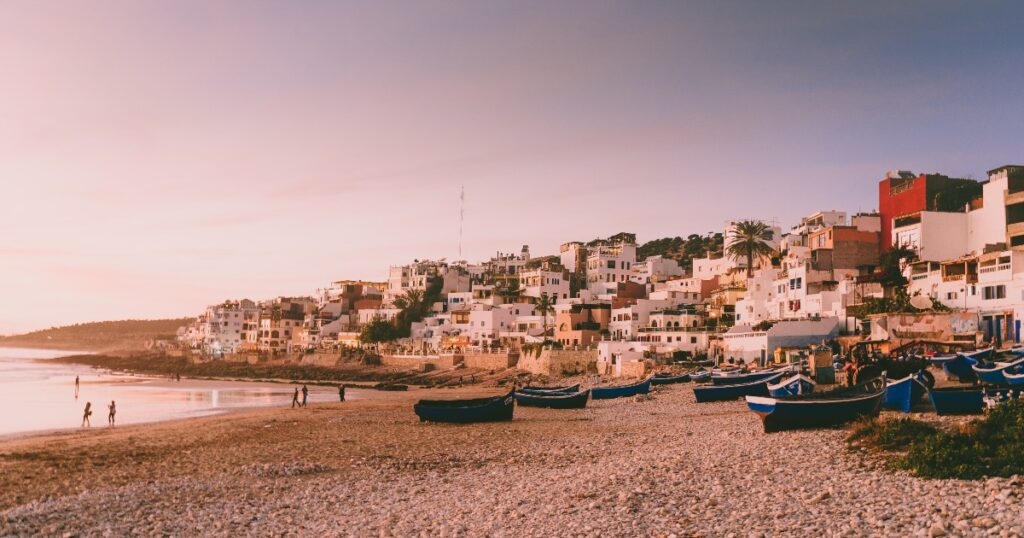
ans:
x=611 y=264
x=993 y=292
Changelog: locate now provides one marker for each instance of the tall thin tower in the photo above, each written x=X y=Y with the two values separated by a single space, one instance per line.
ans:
x=462 y=215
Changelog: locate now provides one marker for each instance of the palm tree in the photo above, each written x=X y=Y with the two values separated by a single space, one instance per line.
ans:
x=544 y=306
x=748 y=242
x=411 y=301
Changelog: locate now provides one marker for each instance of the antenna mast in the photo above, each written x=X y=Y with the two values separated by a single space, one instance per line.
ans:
x=462 y=215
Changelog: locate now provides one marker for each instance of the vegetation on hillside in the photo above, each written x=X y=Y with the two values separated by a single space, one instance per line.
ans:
x=992 y=446
x=100 y=335
x=682 y=250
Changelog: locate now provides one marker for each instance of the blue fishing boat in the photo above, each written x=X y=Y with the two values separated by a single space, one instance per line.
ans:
x=563 y=388
x=819 y=410
x=741 y=378
x=555 y=400
x=957 y=400
x=960 y=368
x=792 y=386
x=664 y=379
x=490 y=409
x=717 y=393
x=621 y=391
x=995 y=375
x=939 y=360
x=697 y=377
x=1014 y=379
x=902 y=394
x=551 y=390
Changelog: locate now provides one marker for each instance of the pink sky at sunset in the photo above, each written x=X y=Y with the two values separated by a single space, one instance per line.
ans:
x=161 y=156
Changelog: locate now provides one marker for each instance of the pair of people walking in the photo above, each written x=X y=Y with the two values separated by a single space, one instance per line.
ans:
x=112 y=411
x=295 y=397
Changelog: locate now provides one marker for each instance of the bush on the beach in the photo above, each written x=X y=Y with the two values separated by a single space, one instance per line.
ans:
x=893 y=434
x=992 y=446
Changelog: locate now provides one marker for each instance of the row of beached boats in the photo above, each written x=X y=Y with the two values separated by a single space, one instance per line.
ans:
x=784 y=398
x=559 y=397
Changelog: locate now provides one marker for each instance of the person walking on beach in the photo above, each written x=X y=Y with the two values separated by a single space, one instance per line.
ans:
x=305 y=394
x=178 y=376
x=76 y=387
x=341 y=392
x=113 y=411
x=87 y=414
x=295 y=398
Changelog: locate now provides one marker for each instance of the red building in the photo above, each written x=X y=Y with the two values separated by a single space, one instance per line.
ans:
x=902 y=193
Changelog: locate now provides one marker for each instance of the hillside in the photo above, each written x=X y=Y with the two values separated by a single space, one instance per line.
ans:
x=99 y=336
x=681 y=250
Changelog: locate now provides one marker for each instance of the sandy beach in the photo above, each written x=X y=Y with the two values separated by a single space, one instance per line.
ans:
x=653 y=466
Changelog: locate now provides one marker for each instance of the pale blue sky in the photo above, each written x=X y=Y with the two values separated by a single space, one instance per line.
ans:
x=159 y=156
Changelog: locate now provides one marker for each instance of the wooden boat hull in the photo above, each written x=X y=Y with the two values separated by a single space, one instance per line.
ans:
x=562 y=388
x=778 y=414
x=576 y=400
x=607 y=393
x=996 y=376
x=739 y=379
x=569 y=389
x=697 y=377
x=719 y=393
x=957 y=400
x=899 y=394
x=492 y=409
x=1014 y=380
x=960 y=368
x=792 y=386
x=670 y=380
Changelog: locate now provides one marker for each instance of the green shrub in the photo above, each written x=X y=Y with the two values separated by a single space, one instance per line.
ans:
x=894 y=434
x=992 y=446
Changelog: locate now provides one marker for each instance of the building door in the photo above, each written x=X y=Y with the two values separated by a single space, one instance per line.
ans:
x=1016 y=332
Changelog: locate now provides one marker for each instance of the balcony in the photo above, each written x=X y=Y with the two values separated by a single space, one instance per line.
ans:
x=994 y=268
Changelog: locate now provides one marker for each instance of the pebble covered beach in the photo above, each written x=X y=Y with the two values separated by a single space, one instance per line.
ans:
x=658 y=465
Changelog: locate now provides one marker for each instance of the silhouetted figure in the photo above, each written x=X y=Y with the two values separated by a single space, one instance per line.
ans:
x=76 y=387
x=305 y=394
x=87 y=414
x=295 y=398
x=177 y=377
x=341 y=392
x=113 y=411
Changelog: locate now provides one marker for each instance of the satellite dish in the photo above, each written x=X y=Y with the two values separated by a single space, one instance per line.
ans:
x=921 y=302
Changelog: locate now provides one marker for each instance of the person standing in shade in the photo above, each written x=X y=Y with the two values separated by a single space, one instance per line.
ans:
x=113 y=411
x=305 y=394
x=76 y=386
x=87 y=414
x=295 y=398
x=341 y=392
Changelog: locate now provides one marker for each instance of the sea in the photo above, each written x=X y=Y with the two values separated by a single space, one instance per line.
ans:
x=38 y=394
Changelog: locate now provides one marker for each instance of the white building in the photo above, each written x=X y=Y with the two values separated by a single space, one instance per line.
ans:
x=655 y=269
x=755 y=344
x=609 y=264
x=552 y=283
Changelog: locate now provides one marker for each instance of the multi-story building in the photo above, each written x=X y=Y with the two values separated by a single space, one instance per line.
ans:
x=582 y=324
x=902 y=194
x=550 y=280
x=608 y=264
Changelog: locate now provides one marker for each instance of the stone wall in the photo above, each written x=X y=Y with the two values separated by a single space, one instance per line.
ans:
x=491 y=361
x=320 y=359
x=417 y=361
x=558 y=362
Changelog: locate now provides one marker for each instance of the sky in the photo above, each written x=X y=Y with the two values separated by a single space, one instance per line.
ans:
x=159 y=156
